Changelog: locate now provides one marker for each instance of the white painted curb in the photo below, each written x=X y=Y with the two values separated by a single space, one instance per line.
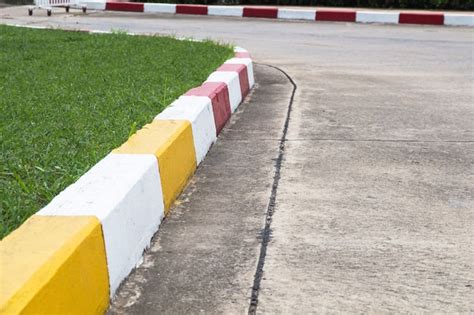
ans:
x=159 y=8
x=94 y=5
x=292 y=14
x=377 y=17
x=225 y=11
x=198 y=111
x=240 y=49
x=231 y=78
x=124 y=192
x=458 y=19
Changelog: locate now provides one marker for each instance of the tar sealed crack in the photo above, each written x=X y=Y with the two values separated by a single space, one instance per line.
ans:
x=266 y=233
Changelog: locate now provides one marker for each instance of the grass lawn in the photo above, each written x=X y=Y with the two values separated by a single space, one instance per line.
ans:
x=67 y=99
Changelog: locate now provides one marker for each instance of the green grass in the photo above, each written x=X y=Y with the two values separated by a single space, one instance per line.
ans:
x=68 y=98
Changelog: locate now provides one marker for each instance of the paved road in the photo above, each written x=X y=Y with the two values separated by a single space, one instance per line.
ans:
x=374 y=208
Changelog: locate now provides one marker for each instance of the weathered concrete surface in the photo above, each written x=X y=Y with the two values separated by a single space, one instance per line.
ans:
x=371 y=226
x=374 y=209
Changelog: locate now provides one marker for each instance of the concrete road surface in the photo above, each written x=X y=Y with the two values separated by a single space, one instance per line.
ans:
x=363 y=204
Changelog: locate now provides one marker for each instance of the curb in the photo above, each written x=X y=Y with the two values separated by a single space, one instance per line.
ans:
x=72 y=255
x=334 y=15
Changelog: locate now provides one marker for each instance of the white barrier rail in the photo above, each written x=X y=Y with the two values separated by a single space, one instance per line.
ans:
x=49 y=4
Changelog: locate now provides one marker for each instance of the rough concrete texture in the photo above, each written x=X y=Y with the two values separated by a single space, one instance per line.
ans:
x=374 y=209
x=371 y=226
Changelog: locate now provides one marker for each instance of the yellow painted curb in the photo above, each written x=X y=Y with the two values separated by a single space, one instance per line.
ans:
x=54 y=265
x=171 y=141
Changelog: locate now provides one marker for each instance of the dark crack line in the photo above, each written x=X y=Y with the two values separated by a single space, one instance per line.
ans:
x=266 y=233
x=361 y=140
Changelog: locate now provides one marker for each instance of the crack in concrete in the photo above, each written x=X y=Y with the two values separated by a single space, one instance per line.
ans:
x=266 y=232
x=361 y=140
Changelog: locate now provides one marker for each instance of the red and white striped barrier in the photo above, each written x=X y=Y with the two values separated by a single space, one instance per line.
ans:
x=335 y=15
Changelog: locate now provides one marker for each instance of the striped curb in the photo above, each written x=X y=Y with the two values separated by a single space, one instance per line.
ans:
x=335 y=15
x=72 y=255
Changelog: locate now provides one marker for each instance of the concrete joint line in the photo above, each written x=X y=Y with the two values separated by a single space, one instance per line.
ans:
x=266 y=233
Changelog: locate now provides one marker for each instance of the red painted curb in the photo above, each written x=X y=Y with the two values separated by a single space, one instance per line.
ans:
x=336 y=16
x=243 y=76
x=219 y=95
x=271 y=13
x=421 y=18
x=124 y=6
x=191 y=9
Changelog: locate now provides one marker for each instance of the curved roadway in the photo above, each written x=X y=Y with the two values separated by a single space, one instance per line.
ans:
x=373 y=208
